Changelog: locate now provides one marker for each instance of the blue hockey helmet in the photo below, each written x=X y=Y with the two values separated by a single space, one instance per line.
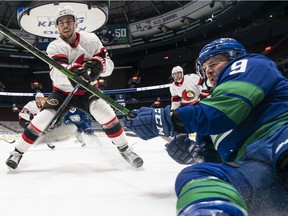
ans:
x=220 y=46
x=228 y=46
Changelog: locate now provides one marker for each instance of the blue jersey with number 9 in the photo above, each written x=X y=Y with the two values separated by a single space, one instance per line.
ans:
x=249 y=102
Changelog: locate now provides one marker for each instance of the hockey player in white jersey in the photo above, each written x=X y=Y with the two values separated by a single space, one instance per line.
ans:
x=31 y=109
x=83 y=54
x=185 y=89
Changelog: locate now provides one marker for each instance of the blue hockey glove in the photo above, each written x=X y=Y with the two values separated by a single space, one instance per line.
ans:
x=185 y=151
x=150 y=123
x=67 y=122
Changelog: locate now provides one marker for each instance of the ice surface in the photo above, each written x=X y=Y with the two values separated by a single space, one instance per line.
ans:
x=91 y=181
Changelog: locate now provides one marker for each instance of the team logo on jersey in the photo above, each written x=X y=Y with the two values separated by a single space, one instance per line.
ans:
x=188 y=95
x=75 y=118
x=53 y=102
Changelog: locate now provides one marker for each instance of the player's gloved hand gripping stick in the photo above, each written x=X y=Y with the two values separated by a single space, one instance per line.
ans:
x=148 y=123
x=65 y=71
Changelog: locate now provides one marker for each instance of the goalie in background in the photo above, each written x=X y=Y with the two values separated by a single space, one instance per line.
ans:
x=31 y=109
x=83 y=122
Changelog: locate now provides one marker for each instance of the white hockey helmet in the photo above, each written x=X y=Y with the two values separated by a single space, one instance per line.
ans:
x=176 y=69
x=39 y=94
x=63 y=11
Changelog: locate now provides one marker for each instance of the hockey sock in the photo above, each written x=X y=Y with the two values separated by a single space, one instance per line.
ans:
x=215 y=193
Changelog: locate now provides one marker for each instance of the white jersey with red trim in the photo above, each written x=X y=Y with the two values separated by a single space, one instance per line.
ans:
x=29 y=109
x=83 y=49
x=186 y=92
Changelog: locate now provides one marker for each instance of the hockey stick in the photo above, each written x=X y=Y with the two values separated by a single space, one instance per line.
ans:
x=59 y=113
x=35 y=51
x=10 y=142
x=61 y=108
x=131 y=134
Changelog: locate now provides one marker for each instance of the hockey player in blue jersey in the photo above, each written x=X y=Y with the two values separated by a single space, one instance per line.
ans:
x=241 y=130
x=81 y=120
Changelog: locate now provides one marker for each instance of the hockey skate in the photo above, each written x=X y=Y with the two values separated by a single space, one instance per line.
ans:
x=14 y=159
x=131 y=157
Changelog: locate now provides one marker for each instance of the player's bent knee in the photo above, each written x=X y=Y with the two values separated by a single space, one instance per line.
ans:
x=43 y=118
x=200 y=187
x=101 y=111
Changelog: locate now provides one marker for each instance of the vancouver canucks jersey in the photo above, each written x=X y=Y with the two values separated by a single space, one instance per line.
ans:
x=77 y=117
x=249 y=102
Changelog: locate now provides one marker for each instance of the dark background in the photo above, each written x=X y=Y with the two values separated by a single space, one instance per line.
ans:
x=256 y=24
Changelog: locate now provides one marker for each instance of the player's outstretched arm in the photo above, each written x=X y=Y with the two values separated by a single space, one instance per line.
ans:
x=150 y=123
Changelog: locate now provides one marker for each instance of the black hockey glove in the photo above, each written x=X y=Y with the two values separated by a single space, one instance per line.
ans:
x=24 y=123
x=97 y=64
x=185 y=151
x=80 y=71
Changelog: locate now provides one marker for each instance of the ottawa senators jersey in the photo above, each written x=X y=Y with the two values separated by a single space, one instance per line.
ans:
x=29 y=110
x=83 y=49
x=186 y=92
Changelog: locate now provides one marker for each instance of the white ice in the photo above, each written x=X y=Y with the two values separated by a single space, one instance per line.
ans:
x=91 y=181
